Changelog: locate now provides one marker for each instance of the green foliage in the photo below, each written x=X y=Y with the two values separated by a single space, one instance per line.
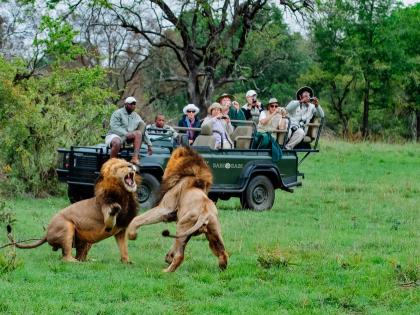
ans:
x=8 y=258
x=65 y=107
x=58 y=43
x=364 y=58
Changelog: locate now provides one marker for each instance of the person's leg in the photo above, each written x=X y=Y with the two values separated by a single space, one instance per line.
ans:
x=136 y=145
x=115 y=147
x=295 y=138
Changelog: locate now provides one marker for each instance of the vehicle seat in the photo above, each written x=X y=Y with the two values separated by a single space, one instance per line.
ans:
x=242 y=137
x=283 y=131
x=206 y=138
x=313 y=128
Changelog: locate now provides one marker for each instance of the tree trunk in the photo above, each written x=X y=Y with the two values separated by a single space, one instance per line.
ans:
x=365 y=124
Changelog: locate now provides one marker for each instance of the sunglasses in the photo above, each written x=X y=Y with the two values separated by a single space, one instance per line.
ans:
x=190 y=111
x=274 y=106
x=131 y=103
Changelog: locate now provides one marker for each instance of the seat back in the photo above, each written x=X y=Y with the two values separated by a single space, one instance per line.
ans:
x=312 y=131
x=205 y=138
x=242 y=137
x=283 y=131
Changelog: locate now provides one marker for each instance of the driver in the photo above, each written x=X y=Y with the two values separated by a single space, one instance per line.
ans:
x=126 y=126
x=156 y=130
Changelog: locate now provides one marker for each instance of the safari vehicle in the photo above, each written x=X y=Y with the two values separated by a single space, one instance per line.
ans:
x=245 y=172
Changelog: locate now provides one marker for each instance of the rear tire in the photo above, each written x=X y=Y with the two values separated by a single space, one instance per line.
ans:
x=148 y=191
x=259 y=195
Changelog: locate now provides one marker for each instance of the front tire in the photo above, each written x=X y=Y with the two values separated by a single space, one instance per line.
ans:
x=148 y=191
x=259 y=195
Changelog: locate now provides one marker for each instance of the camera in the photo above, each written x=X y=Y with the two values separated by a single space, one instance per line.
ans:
x=254 y=99
x=311 y=98
x=224 y=117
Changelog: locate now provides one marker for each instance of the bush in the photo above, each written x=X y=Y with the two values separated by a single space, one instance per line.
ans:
x=62 y=108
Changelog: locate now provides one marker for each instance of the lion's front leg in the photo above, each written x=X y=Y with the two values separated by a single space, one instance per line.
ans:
x=122 y=245
x=110 y=212
x=154 y=215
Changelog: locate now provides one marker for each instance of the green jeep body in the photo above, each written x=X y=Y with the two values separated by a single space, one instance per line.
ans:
x=250 y=174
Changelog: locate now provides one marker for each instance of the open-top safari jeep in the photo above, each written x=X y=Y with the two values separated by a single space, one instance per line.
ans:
x=245 y=172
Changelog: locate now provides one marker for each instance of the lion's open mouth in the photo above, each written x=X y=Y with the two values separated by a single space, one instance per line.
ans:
x=129 y=179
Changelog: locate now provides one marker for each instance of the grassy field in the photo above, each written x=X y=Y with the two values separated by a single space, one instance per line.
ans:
x=347 y=242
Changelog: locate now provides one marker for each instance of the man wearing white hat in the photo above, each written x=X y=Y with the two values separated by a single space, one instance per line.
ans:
x=127 y=126
x=190 y=120
x=253 y=107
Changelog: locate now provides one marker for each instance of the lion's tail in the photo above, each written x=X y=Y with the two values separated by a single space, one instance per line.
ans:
x=203 y=219
x=27 y=246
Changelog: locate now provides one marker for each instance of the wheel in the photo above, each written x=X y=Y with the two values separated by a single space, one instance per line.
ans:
x=79 y=192
x=148 y=191
x=259 y=195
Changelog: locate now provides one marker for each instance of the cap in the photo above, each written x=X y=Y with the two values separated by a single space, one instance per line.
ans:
x=130 y=100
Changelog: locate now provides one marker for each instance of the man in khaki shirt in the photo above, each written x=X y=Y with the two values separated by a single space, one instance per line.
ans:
x=127 y=126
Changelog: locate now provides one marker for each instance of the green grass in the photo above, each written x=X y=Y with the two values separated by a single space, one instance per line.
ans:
x=347 y=242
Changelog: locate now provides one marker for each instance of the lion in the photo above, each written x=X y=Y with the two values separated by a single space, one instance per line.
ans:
x=185 y=184
x=89 y=221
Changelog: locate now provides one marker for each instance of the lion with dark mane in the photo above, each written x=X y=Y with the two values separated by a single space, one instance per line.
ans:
x=185 y=184
x=89 y=221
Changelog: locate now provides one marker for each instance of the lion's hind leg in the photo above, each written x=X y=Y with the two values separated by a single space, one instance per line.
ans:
x=178 y=253
x=60 y=235
x=214 y=236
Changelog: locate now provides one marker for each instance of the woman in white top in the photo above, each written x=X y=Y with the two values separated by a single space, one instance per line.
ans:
x=222 y=128
x=273 y=118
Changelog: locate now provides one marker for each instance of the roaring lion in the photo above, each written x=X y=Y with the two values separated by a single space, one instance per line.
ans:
x=89 y=221
x=185 y=184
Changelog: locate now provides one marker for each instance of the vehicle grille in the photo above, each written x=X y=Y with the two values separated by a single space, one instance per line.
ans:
x=85 y=162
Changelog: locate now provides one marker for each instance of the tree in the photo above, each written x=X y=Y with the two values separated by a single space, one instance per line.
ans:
x=403 y=29
x=355 y=54
x=207 y=38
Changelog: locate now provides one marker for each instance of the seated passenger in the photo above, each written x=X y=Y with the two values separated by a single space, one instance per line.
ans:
x=233 y=108
x=190 y=120
x=222 y=128
x=272 y=118
x=253 y=107
x=126 y=126
x=158 y=128
x=300 y=113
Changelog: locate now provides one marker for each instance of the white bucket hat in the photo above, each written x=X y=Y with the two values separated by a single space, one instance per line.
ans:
x=130 y=100
x=191 y=107
x=250 y=93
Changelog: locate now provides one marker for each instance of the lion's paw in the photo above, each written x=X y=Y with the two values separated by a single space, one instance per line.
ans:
x=132 y=235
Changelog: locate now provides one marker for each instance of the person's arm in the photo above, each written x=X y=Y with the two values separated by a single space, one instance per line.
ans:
x=264 y=118
x=229 y=128
x=292 y=106
x=116 y=125
x=174 y=133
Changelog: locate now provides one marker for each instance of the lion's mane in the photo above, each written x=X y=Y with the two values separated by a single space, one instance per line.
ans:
x=185 y=162
x=109 y=189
